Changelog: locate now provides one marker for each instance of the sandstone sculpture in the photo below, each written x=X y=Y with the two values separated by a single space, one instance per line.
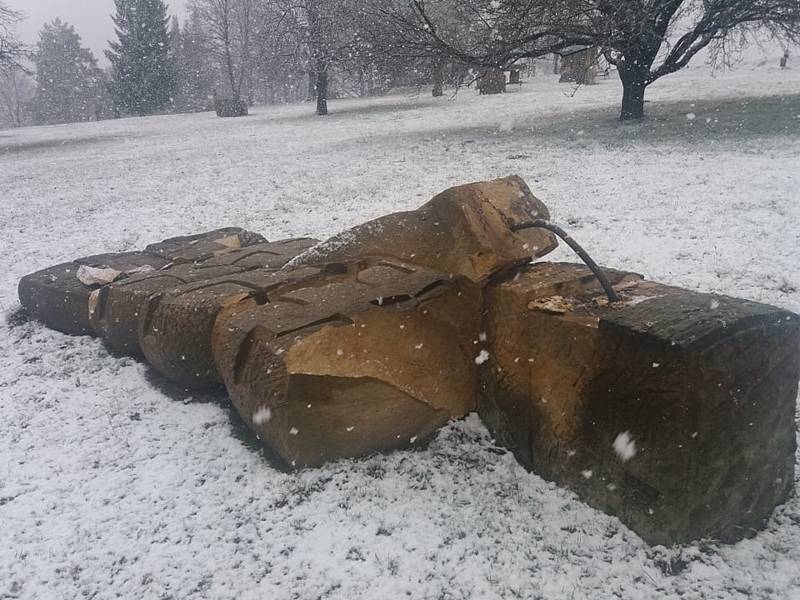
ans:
x=669 y=409
x=672 y=409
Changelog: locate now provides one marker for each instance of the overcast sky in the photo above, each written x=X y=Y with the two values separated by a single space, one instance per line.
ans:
x=91 y=19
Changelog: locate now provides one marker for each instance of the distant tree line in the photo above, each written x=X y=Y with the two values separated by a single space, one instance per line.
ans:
x=273 y=51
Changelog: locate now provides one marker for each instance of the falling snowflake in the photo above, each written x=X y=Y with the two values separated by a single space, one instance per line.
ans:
x=624 y=446
x=262 y=415
x=482 y=357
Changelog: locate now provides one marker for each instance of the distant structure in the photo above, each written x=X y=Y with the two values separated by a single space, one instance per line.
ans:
x=579 y=65
x=492 y=81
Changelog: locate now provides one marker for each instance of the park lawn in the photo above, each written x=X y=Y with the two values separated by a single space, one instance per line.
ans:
x=113 y=484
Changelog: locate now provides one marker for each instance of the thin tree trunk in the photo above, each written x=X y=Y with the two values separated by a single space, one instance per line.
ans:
x=322 y=89
x=312 y=86
x=438 y=78
x=230 y=69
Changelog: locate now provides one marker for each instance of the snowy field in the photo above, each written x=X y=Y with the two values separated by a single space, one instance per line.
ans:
x=113 y=485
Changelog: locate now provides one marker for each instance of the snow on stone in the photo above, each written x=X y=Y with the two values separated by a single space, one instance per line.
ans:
x=96 y=275
x=482 y=357
x=625 y=446
x=262 y=415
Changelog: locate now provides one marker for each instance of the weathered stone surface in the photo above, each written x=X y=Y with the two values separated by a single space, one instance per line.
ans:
x=202 y=246
x=176 y=326
x=464 y=231
x=372 y=358
x=230 y=107
x=56 y=297
x=268 y=255
x=673 y=410
x=114 y=312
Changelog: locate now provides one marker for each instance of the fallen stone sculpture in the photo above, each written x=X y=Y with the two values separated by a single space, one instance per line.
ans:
x=671 y=409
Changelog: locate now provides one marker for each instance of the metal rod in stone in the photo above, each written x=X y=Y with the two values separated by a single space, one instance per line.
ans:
x=593 y=266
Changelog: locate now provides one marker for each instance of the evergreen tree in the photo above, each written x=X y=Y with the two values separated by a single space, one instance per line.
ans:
x=69 y=84
x=195 y=73
x=142 y=67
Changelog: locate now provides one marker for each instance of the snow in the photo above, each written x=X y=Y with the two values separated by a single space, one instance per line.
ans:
x=114 y=484
x=482 y=357
x=262 y=415
x=625 y=446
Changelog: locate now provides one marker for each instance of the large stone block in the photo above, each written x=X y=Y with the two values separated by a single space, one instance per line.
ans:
x=115 y=308
x=269 y=255
x=375 y=357
x=202 y=246
x=59 y=299
x=672 y=410
x=176 y=326
x=464 y=231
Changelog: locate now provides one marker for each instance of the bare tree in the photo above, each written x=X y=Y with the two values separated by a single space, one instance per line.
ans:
x=395 y=44
x=326 y=34
x=12 y=51
x=644 y=39
x=16 y=92
x=231 y=26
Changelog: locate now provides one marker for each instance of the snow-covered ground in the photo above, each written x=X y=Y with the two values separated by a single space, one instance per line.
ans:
x=113 y=485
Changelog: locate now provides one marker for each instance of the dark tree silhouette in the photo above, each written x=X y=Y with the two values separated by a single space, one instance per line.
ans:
x=143 y=73
x=70 y=86
x=644 y=39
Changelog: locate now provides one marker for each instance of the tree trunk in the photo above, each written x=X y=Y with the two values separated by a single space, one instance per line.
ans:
x=438 y=78
x=634 y=83
x=322 y=90
x=312 y=86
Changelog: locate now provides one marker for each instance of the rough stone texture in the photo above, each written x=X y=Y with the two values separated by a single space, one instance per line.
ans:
x=229 y=107
x=176 y=326
x=114 y=312
x=269 y=255
x=202 y=246
x=58 y=299
x=115 y=309
x=464 y=231
x=704 y=386
x=375 y=357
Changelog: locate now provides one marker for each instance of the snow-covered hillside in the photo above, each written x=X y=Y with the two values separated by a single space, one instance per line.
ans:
x=114 y=485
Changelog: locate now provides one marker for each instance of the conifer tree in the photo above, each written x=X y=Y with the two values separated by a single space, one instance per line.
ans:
x=69 y=84
x=143 y=70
